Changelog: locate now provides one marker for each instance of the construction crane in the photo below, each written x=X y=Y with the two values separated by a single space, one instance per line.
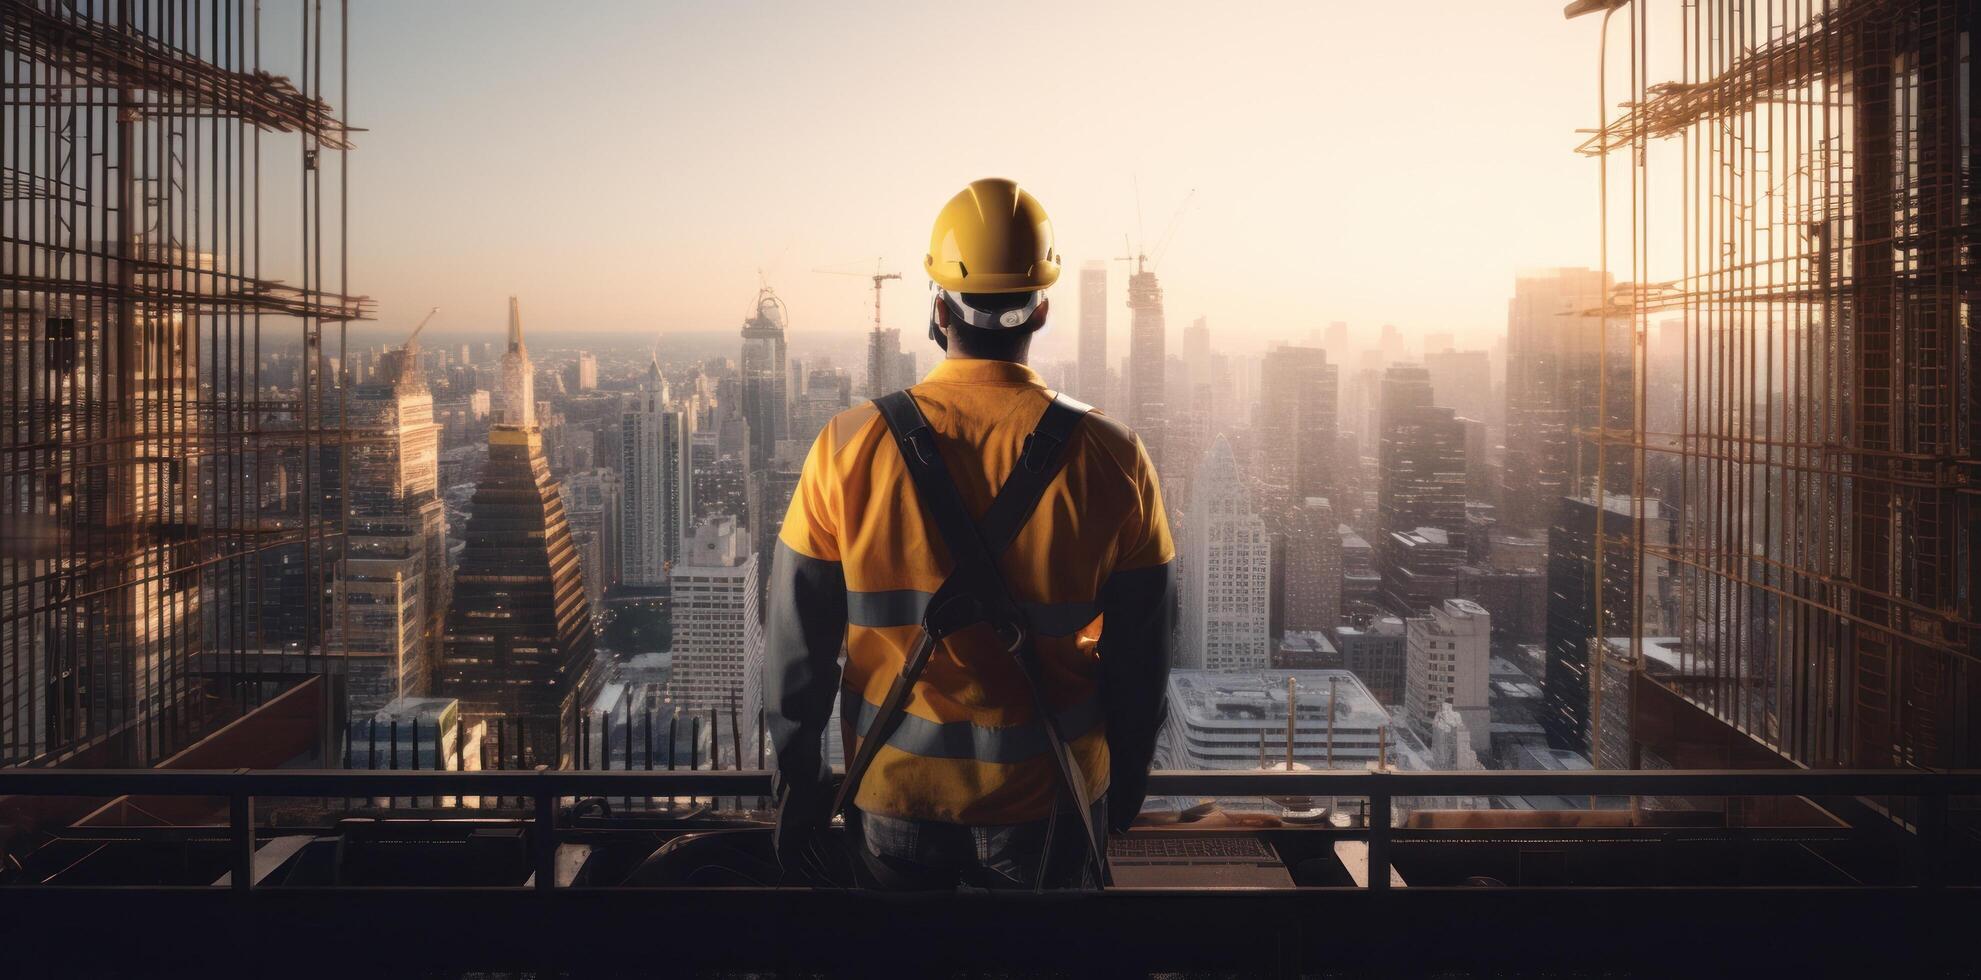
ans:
x=416 y=330
x=1141 y=259
x=878 y=278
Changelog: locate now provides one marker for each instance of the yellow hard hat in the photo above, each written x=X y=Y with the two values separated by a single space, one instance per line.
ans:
x=992 y=237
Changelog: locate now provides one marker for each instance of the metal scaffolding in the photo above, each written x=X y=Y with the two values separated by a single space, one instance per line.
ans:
x=150 y=470
x=1804 y=351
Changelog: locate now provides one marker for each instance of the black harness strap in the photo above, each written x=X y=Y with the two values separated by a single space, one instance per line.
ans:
x=975 y=591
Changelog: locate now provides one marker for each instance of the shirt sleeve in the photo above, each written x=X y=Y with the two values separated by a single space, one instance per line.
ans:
x=1138 y=616
x=805 y=627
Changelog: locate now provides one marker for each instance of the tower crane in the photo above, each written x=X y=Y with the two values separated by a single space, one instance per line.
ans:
x=416 y=330
x=1141 y=259
x=878 y=278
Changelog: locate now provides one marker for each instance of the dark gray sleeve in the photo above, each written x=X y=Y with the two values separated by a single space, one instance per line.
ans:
x=1138 y=609
x=804 y=631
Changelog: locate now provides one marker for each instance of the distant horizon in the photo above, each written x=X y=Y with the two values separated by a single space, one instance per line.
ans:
x=1288 y=166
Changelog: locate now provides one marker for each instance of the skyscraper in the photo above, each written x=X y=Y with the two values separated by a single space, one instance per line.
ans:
x=1093 y=333
x=1297 y=402
x=1552 y=388
x=391 y=600
x=519 y=631
x=1227 y=571
x=763 y=378
x=1572 y=622
x=884 y=374
x=1147 y=360
x=1420 y=493
x=1313 y=567
x=715 y=616
x=1450 y=652
x=519 y=386
x=654 y=478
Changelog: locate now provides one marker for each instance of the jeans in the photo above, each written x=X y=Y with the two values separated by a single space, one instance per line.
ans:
x=925 y=855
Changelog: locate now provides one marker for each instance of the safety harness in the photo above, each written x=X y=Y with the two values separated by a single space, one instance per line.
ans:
x=976 y=592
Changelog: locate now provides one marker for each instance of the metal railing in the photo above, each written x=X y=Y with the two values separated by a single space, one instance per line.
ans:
x=1931 y=791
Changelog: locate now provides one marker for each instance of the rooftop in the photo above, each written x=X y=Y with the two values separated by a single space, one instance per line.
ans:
x=1247 y=699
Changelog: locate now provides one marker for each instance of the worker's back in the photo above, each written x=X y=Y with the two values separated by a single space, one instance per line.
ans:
x=1035 y=684
x=971 y=750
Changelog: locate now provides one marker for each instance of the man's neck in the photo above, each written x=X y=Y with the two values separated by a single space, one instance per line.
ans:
x=1020 y=355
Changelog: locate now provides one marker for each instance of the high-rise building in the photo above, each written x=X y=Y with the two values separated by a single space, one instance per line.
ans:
x=587 y=371
x=1553 y=384
x=828 y=391
x=1450 y=656
x=592 y=507
x=1376 y=653
x=1227 y=571
x=884 y=373
x=764 y=384
x=1573 y=626
x=715 y=616
x=654 y=477
x=1147 y=361
x=519 y=631
x=1824 y=420
x=1313 y=567
x=519 y=385
x=1420 y=493
x=1297 y=404
x=392 y=596
x=1461 y=381
x=1093 y=333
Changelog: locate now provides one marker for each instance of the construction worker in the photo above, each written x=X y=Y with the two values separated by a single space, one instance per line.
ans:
x=995 y=561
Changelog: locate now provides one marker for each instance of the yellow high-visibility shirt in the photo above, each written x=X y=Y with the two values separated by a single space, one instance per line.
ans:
x=857 y=559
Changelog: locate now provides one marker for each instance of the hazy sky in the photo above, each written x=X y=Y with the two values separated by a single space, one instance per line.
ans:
x=632 y=166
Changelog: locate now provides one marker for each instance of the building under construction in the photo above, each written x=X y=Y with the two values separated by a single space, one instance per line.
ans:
x=150 y=470
x=1800 y=239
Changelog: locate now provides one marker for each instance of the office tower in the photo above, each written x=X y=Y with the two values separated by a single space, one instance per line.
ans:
x=655 y=505
x=1297 y=403
x=1461 y=381
x=1360 y=582
x=1389 y=346
x=1335 y=341
x=1481 y=485
x=1227 y=571
x=1517 y=598
x=393 y=593
x=1376 y=653
x=828 y=391
x=1553 y=384
x=519 y=386
x=1572 y=623
x=764 y=384
x=519 y=631
x=1450 y=651
x=587 y=371
x=1228 y=720
x=1313 y=567
x=1420 y=494
x=139 y=432
x=592 y=507
x=1147 y=359
x=884 y=374
x=715 y=616
x=1093 y=333
x=721 y=487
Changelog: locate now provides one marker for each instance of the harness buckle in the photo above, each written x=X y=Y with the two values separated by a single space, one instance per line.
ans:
x=923 y=443
x=1038 y=451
